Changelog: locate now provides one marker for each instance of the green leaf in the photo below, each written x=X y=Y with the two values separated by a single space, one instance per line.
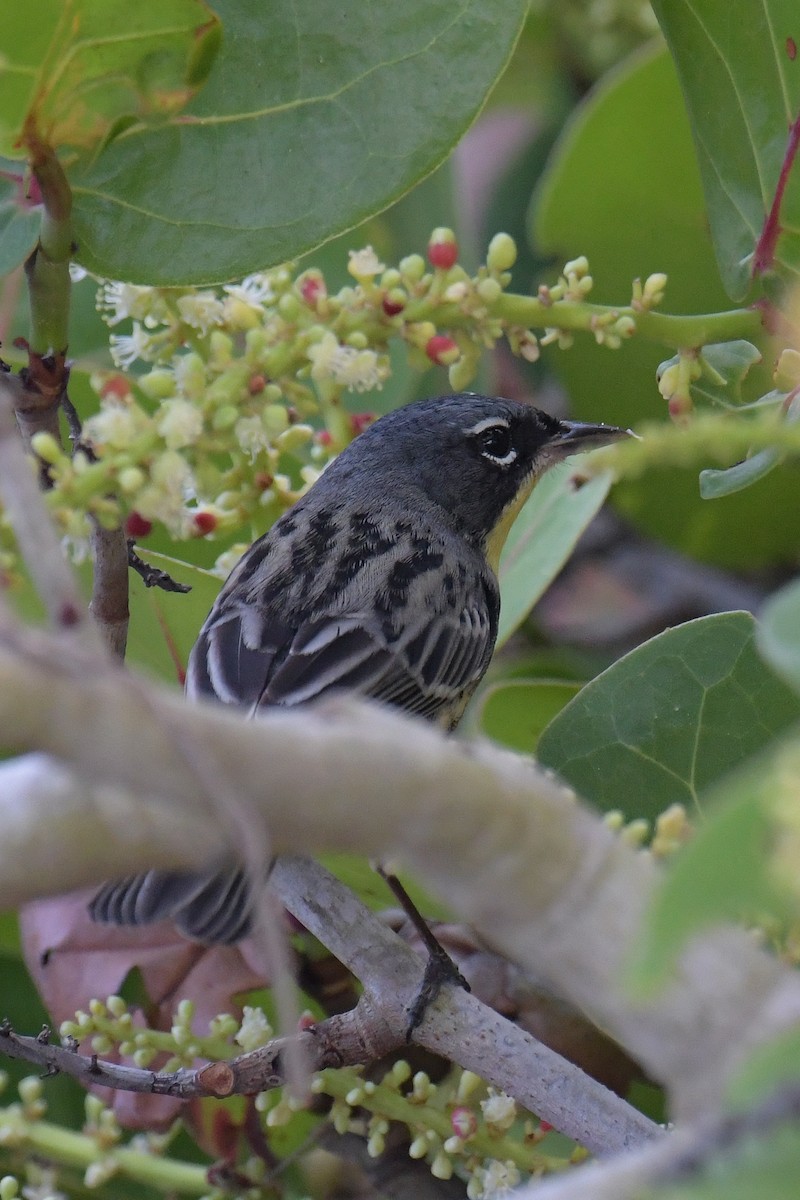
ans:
x=85 y=69
x=623 y=187
x=313 y=119
x=721 y=875
x=19 y=221
x=717 y=483
x=516 y=713
x=725 y=366
x=671 y=717
x=779 y=633
x=741 y=81
x=542 y=538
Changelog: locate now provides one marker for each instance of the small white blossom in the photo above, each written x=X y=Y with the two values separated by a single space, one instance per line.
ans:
x=254 y=290
x=42 y=1185
x=499 y=1179
x=77 y=273
x=251 y=436
x=164 y=499
x=116 y=425
x=201 y=310
x=358 y=370
x=255 y=1029
x=499 y=1110
x=120 y=301
x=364 y=263
x=190 y=375
x=180 y=423
x=126 y=348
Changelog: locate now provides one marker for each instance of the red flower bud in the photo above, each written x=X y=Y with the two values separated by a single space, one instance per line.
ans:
x=256 y=384
x=116 y=387
x=312 y=288
x=205 y=522
x=546 y=1127
x=137 y=526
x=443 y=254
x=391 y=307
x=463 y=1122
x=442 y=350
x=324 y=438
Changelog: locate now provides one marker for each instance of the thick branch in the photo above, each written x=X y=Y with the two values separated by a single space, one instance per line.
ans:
x=539 y=875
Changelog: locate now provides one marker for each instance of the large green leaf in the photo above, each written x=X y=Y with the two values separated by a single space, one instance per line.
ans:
x=542 y=538
x=740 y=74
x=314 y=117
x=82 y=68
x=779 y=633
x=516 y=712
x=723 y=874
x=667 y=720
x=623 y=187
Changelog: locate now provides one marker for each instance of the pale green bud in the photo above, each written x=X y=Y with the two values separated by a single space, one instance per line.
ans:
x=157 y=384
x=275 y=419
x=502 y=253
x=30 y=1089
x=461 y=374
x=47 y=447
x=221 y=348
x=9 y=1188
x=489 y=290
x=441 y=1167
x=412 y=267
x=225 y=417
x=357 y=339
x=391 y=278
x=787 y=371
x=289 y=306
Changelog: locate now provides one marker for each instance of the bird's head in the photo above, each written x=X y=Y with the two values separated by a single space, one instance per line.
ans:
x=475 y=457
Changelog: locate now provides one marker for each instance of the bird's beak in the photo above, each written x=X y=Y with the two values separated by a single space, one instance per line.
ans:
x=573 y=437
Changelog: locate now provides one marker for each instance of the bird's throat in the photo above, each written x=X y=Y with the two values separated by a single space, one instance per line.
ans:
x=496 y=539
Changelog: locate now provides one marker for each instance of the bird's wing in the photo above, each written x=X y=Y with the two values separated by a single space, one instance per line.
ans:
x=245 y=658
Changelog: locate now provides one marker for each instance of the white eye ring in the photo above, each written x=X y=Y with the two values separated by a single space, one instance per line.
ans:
x=488 y=423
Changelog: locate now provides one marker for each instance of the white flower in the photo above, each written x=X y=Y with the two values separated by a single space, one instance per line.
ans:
x=499 y=1110
x=164 y=498
x=499 y=1179
x=76 y=272
x=255 y=1029
x=115 y=425
x=201 y=310
x=254 y=290
x=126 y=348
x=190 y=375
x=364 y=263
x=358 y=370
x=251 y=436
x=118 y=301
x=180 y=423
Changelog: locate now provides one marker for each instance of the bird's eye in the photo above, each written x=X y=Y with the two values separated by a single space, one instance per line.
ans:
x=496 y=444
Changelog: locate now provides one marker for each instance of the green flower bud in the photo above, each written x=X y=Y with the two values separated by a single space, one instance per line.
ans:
x=357 y=339
x=275 y=419
x=294 y=437
x=461 y=374
x=391 y=278
x=221 y=348
x=289 y=306
x=157 y=384
x=47 y=447
x=225 y=417
x=489 y=290
x=9 y=1188
x=30 y=1089
x=412 y=267
x=255 y=344
x=502 y=253
x=130 y=480
x=787 y=371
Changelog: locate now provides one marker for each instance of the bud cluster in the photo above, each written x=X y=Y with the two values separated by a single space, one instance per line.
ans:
x=240 y=404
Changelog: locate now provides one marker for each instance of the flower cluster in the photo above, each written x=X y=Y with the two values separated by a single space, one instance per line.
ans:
x=228 y=402
x=458 y=1126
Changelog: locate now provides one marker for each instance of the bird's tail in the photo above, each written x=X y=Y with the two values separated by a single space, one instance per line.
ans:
x=212 y=906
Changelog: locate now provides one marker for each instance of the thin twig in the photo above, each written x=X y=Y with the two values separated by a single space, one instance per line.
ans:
x=153 y=576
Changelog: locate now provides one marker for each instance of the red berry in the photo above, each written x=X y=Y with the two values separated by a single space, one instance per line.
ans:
x=442 y=349
x=324 y=438
x=205 y=522
x=546 y=1127
x=256 y=384
x=137 y=526
x=262 y=480
x=443 y=254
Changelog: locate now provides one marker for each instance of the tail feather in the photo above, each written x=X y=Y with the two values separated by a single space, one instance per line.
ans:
x=209 y=907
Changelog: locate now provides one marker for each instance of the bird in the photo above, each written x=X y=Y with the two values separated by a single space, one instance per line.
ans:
x=380 y=581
